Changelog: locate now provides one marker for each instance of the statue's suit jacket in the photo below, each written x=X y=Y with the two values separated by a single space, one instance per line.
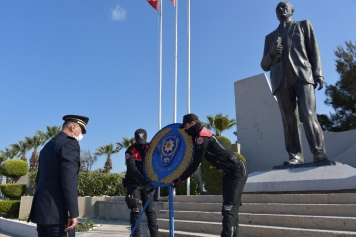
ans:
x=303 y=54
x=56 y=195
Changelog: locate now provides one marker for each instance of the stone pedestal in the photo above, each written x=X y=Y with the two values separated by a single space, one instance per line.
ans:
x=309 y=177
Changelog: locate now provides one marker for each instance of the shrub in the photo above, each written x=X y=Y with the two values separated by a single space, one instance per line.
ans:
x=93 y=184
x=14 y=168
x=182 y=188
x=225 y=140
x=13 y=191
x=212 y=178
x=97 y=184
x=9 y=208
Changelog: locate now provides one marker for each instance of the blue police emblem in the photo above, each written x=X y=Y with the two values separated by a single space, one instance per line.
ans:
x=168 y=156
x=170 y=145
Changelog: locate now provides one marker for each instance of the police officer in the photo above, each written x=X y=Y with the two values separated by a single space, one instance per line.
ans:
x=55 y=202
x=224 y=159
x=137 y=186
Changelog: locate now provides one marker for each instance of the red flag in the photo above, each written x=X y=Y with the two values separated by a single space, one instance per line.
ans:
x=172 y=1
x=154 y=3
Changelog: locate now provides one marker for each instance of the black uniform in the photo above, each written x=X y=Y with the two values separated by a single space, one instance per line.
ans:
x=139 y=188
x=224 y=159
x=56 y=196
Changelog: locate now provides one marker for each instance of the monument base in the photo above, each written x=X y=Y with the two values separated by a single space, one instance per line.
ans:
x=305 y=165
x=330 y=176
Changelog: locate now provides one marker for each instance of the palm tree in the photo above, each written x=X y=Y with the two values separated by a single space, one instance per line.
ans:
x=219 y=123
x=107 y=150
x=126 y=142
x=51 y=132
x=22 y=147
x=34 y=142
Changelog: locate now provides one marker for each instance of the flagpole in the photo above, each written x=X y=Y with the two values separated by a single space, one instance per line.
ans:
x=188 y=92
x=160 y=67
x=175 y=62
x=160 y=76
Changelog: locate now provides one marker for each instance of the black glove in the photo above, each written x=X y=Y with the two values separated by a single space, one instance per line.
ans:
x=149 y=188
x=176 y=182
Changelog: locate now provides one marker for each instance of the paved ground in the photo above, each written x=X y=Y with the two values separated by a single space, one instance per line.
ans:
x=3 y=234
x=105 y=228
x=112 y=228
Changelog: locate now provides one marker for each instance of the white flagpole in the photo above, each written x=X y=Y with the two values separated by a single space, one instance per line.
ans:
x=160 y=67
x=175 y=62
x=188 y=92
x=160 y=75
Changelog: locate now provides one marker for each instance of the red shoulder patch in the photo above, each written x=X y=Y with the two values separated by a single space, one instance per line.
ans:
x=205 y=133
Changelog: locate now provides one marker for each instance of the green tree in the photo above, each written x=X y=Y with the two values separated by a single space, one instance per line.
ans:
x=2 y=159
x=107 y=150
x=126 y=142
x=22 y=147
x=34 y=142
x=219 y=123
x=51 y=132
x=342 y=95
x=9 y=154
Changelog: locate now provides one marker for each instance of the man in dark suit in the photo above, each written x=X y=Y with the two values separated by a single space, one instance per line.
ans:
x=55 y=202
x=292 y=56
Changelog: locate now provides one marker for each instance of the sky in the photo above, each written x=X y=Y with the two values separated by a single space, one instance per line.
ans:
x=99 y=58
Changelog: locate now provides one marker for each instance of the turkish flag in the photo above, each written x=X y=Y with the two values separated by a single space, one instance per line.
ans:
x=154 y=3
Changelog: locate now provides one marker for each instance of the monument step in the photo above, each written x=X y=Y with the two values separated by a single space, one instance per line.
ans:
x=202 y=227
x=273 y=208
x=333 y=223
x=346 y=210
x=166 y=233
x=297 y=221
x=294 y=198
x=259 y=230
x=196 y=206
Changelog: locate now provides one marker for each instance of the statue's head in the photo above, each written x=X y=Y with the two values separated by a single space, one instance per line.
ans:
x=284 y=10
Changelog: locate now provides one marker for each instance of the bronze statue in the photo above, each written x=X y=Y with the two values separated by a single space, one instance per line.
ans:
x=292 y=56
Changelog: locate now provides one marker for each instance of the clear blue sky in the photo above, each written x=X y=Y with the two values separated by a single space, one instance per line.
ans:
x=99 y=58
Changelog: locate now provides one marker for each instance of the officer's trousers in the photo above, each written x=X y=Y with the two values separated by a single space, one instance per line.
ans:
x=54 y=231
x=233 y=184
x=140 y=193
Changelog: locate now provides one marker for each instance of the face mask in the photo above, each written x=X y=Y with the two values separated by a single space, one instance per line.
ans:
x=140 y=147
x=191 y=131
x=79 y=137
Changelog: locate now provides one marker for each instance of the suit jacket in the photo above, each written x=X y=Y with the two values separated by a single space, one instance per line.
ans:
x=303 y=54
x=56 y=195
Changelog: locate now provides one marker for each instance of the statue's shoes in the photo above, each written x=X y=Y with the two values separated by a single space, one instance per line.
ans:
x=292 y=162
x=319 y=156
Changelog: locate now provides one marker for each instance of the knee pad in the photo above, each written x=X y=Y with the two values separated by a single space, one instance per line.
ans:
x=132 y=202
x=136 y=210
x=226 y=209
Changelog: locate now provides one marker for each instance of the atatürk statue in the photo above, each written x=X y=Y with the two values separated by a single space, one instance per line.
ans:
x=292 y=56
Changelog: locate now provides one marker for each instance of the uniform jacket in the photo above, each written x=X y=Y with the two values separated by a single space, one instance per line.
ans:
x=302 y=50
x=56 y=195
x=134 y=162
x=215 y=151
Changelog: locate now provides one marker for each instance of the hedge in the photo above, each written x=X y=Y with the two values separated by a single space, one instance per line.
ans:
x=97 y=184
x=10 y=207
x=93 y=184
x=212 y=178
x=13 y=191
x=14 y=168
